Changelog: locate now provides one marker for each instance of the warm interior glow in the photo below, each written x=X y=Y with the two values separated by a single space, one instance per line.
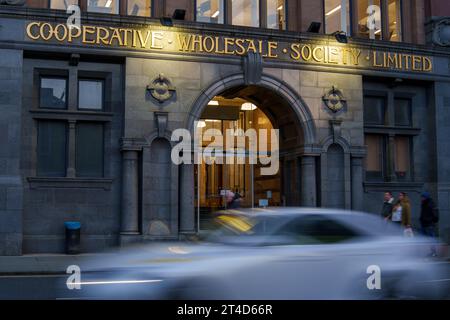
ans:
x=108 y=3
x=333 y=10
x=216 y=14
x=248 y=106
x=213 y=103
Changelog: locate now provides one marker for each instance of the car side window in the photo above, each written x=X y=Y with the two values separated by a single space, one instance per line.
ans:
x=317 y=229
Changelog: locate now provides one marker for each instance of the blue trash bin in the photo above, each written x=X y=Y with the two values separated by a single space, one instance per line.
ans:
x=72 y=237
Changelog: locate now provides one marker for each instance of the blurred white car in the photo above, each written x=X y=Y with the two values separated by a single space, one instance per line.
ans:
x=276 y=253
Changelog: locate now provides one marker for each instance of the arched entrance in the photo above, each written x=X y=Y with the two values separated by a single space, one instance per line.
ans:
x=271 y=104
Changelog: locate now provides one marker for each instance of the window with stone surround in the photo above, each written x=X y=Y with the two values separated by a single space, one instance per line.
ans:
x=70 y=126
x=389 y=136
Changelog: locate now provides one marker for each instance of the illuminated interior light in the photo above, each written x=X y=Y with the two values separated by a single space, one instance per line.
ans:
x=213 y=103
x=377 y=32
x=280 y=8
x=333 y=10
x=216 y=14
x=248 y=106
x=201 y=124
x=108 y=3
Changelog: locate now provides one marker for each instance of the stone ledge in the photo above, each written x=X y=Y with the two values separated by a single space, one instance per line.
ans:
x=393 y=186
x=64 y=182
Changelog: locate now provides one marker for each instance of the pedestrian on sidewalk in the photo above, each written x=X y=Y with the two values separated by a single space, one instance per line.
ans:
x=388 y=205
x=429 y=217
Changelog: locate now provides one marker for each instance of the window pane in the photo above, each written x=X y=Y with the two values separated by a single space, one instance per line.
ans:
x=89 y=150
x=403 y=112
x=374 y=157
x=90 y=94
x=337 y=19
x=402 y=157
x=62 y=4
x=395 y=21
x=374 y=110
x=51 y=149
x=245 y=13
x=140 y=8
x=371 y=30
x=103 y=6
x=53 y=93
x=210 y=11
x=276 y=14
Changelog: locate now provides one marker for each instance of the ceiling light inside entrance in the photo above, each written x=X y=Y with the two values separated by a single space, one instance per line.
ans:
x=248 y=106
x=333 y=10
x=215 y=14
x=213 y=103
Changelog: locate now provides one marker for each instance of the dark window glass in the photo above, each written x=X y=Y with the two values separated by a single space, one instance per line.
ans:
x=374 y=157
x=317 y=229
x=89 y=149
x=403 y=112
x=403 y=157
x=51 y=148
x=90 y=94
x=374 y=110
x=53 y=93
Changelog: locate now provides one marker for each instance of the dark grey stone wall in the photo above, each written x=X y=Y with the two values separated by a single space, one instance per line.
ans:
x=49 y=202
x=424 y=159
x=11 y=188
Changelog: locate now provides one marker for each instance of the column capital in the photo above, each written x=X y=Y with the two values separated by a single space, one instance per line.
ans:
x=132 y=144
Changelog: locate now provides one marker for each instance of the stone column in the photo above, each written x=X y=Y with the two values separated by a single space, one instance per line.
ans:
x=130 y=188
x=357 y=183
x=309 y=197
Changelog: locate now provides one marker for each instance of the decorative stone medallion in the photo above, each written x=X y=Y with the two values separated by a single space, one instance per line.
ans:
x=161 y=88
x=441 y=32
x=334 y=100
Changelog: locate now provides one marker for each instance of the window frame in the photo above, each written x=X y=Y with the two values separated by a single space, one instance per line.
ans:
x=262 y=15
x=370 y=175
x=66 y=147
x=124 y=7
x=103 y=81
x=389 y=130
x=102 y=175
x=51 y=76
x=49 y=5
x=384 y=12
x=350 y=18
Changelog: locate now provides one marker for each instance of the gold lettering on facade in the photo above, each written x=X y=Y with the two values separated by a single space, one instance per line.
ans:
x=196 y=43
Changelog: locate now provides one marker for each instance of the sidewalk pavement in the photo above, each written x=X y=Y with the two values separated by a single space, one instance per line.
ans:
x=43 y=263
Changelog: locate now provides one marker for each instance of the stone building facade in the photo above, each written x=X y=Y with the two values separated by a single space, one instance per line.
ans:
x=106 y=161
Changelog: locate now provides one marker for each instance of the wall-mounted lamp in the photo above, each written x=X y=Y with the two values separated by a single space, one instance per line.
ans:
x=179 y=14
x=166 y=22
x=340 y=36
x=314 y=27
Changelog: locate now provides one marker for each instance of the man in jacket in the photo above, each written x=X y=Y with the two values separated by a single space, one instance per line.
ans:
x=388 y=204
x=428 y=218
